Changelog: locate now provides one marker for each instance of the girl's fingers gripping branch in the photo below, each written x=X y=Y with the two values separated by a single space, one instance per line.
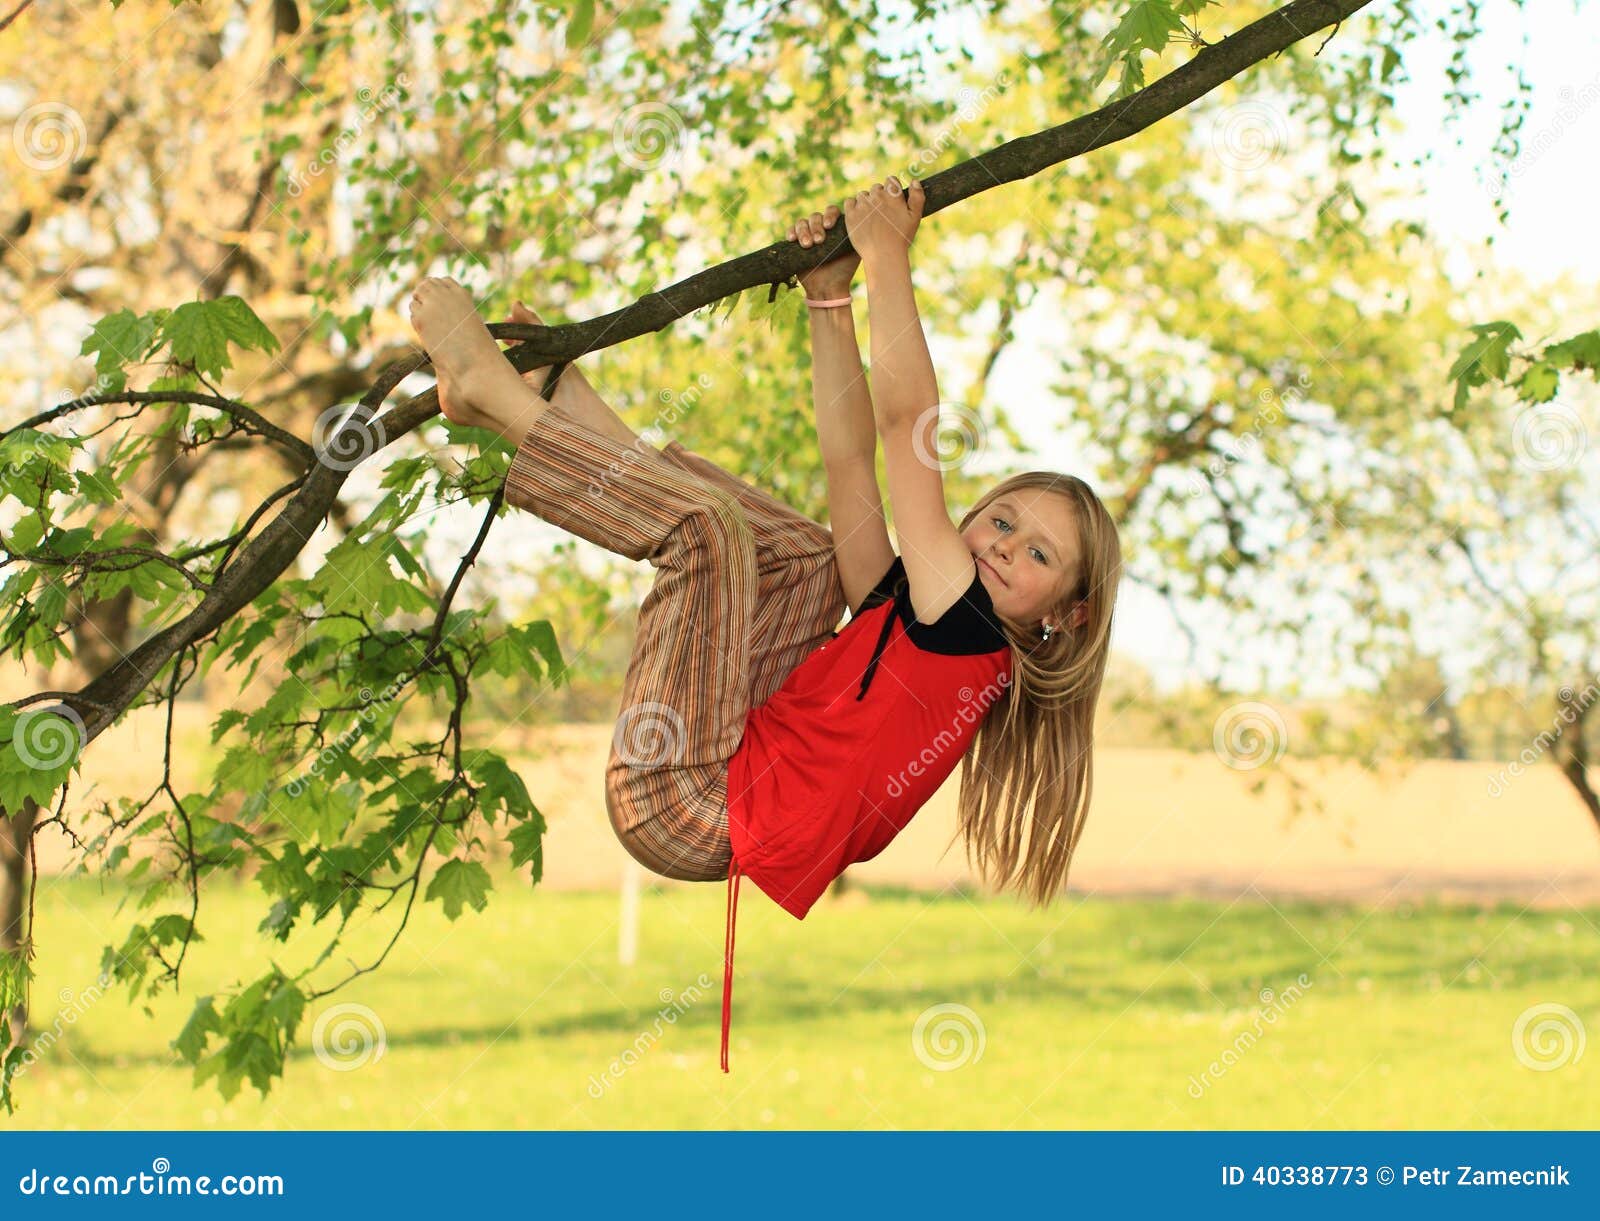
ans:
x=830 y=279
x=885 y=216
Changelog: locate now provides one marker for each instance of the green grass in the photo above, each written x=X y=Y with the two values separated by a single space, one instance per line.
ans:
x=1097 y=1014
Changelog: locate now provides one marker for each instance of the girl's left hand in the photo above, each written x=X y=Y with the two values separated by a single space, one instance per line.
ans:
x=833 y=278
x=885 y=218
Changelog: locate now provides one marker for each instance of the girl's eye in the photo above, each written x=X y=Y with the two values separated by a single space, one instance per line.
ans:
x=1033 y=551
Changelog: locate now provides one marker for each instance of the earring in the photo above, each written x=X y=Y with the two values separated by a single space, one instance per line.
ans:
x=1045 y=631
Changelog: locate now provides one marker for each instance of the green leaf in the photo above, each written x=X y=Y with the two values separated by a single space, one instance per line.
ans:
x=355 y=576
x=459 y=883
x=98 y=487
x=203 y=1022
x=1579 y=352
x=118 y=340
x=199 y=332
x=527 y=845
x=1148 y=24
x=1538 y=383
x=14 y=976
x=1487 y=356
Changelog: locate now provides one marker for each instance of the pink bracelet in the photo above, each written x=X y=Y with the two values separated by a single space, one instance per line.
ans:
x=830 y=304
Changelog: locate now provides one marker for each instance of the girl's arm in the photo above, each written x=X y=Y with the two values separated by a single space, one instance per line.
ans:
x=849 y=443
x=845 y=431
x=939 y=566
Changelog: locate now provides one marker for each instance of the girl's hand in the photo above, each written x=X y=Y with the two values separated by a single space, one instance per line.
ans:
x=833 y=278
x=883 y=220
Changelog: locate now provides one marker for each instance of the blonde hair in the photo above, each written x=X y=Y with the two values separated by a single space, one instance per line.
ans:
x=1030 y=766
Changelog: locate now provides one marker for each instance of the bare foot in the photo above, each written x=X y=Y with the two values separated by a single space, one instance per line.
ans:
x=521 y=313
x=466 y=359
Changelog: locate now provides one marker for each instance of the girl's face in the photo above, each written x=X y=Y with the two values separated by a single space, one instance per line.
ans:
x=1026 y=545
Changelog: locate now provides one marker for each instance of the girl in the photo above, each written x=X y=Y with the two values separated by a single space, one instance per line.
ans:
x=754 y=738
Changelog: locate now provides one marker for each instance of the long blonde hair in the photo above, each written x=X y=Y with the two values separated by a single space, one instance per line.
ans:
x=1030 y=765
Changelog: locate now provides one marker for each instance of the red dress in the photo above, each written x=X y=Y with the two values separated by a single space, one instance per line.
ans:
x=855 y=741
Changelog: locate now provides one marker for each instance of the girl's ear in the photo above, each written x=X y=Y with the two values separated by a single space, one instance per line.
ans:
x=1080 y=615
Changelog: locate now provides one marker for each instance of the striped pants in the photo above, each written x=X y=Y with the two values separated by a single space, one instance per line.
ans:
x=745 y=589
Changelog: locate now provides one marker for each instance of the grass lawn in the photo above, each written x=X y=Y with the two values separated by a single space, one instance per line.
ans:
x=1101 y=1013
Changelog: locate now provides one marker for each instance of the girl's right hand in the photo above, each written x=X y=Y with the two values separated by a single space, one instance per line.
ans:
x=834 y=277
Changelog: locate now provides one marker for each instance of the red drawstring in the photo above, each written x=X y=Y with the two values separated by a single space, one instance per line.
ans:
x=727 y=957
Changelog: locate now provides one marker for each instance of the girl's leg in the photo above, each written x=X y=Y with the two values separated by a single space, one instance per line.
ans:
x=574 y=395
x=799 y=598
x=477 y=384
x=686 y=691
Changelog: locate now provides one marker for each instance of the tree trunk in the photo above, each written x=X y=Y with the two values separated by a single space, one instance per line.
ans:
x=16 y=834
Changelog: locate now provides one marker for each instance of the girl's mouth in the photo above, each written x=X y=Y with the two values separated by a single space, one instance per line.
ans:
x=990 y=567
